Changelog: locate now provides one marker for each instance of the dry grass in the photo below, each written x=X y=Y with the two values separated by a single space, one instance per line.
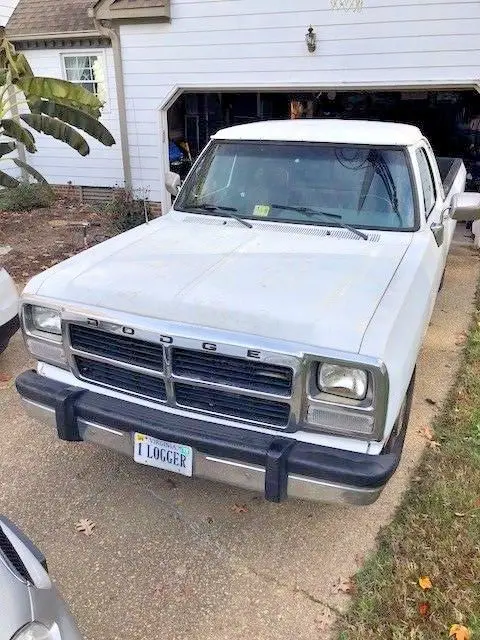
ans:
x=435 y=533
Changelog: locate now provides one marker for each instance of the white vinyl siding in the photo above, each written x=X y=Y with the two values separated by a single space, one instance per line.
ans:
x=57 y=161
x=255 y=44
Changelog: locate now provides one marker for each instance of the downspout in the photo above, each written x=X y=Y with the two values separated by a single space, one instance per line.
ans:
x=105 y=28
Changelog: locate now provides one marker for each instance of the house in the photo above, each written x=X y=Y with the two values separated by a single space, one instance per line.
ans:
x=175 y=71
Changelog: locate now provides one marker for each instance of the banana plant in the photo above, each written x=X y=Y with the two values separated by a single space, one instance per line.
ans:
x=57 y=108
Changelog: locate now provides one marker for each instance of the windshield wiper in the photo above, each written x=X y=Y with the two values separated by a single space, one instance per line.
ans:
x=229 y=212
x=379 y=166
x=315 y=212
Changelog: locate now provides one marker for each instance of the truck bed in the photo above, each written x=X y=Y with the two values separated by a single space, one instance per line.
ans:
x=449 y=168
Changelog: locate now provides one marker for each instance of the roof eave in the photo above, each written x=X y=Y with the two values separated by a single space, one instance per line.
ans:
x=53 y=36
x=101 y=10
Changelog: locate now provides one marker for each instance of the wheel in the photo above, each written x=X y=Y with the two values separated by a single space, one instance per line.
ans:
x=397 y=437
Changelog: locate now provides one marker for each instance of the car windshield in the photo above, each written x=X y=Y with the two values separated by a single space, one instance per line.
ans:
x=308 y=183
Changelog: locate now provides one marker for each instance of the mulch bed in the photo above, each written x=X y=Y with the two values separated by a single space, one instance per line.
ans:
x=43 y=237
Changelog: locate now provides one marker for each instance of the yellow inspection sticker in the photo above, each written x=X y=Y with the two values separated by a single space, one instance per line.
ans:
x=261 y=210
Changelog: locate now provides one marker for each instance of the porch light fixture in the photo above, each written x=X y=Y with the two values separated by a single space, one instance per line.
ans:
x=311 y=39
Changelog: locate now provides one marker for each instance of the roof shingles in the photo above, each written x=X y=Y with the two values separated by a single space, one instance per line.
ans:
x=36 y=17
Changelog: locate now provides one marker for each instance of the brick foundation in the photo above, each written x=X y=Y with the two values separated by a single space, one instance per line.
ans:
x=68 y=192
x=155 y=209
x=76 y=193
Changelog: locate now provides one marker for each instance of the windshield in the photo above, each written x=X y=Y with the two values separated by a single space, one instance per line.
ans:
x=302 y=183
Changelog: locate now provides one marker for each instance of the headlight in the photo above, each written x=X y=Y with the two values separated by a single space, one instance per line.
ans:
x=46 y=320
x=342 y=381
x=33 y=631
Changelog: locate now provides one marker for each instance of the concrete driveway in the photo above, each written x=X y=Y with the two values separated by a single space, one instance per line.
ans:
x=174 y=558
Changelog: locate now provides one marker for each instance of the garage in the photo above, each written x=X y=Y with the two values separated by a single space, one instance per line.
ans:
x=449 y=119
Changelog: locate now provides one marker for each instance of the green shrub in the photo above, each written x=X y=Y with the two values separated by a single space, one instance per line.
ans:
x=26 y=197
x=126 y=211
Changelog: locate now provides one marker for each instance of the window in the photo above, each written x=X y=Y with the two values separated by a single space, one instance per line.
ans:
x=303 y=183
x=87 y=70
x=428 y=182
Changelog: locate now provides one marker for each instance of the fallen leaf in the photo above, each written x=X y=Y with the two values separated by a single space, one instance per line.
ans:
x=430 y=401
x=476 y=504
x=425 y=583
x=325 y=620
x=458 y=514
x=424 y=608
x=459 y=632
x=460 y=339
x=346 y=586
x=240 y=508
x=6 y=381
x=417 y=479
x=427 y=433
x=86 y=526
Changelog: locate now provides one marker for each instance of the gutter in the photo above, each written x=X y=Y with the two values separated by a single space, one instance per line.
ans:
x=52 y=36
x=105 y=28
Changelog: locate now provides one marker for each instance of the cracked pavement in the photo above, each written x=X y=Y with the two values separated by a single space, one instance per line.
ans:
x=172 y=558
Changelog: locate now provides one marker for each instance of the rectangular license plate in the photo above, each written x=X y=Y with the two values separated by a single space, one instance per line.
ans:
x=163 y=455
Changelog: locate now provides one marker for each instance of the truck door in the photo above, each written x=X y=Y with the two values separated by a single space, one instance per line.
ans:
x=435 y=200
x=434 y=204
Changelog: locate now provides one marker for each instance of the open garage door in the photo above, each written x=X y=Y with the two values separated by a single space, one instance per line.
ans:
x=450 y=119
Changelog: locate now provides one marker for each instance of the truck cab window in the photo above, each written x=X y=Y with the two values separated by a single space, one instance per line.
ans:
x=313 y=183
x=427 y=181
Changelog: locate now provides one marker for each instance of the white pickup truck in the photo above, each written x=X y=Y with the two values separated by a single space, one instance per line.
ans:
x=264 y=332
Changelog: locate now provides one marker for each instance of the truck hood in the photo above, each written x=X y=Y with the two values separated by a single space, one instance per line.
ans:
x=281 y=281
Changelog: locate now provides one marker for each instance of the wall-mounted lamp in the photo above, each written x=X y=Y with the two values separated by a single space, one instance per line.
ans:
x=311 y=39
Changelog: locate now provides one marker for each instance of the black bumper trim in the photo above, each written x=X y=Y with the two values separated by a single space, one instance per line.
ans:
x=279 y=456
x=276 y=470
x=67 y=426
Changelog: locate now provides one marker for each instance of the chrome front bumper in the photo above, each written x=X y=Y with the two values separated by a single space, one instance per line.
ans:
x=239 y=474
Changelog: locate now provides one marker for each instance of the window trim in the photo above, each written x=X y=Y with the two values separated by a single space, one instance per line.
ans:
x=423 y=151
x=100 y=53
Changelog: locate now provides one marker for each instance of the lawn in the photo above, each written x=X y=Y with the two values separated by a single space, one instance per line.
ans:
x=435 y=534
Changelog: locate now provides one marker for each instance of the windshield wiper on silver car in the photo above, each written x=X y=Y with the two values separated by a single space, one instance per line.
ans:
x=316 y=212
x=229 y=212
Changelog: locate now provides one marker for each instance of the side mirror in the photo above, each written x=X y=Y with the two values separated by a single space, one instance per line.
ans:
x=465 y=207
x=172 y=183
